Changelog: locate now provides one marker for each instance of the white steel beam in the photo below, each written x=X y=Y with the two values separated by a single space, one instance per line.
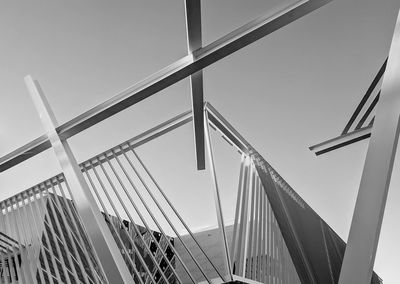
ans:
x=370 y=205
x=188 y=65
x=103 y=242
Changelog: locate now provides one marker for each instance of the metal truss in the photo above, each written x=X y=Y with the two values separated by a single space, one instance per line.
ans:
x=100 y=237
x=182 y=68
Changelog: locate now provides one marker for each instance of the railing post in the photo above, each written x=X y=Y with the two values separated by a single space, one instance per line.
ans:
x=365 y=227
x=100 y=236
x=217 y=198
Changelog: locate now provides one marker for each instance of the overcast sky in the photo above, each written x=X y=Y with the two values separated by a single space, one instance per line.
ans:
x=294 y=88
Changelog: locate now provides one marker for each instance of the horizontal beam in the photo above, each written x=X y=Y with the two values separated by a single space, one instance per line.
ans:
x=341 y=141
x=168 y=76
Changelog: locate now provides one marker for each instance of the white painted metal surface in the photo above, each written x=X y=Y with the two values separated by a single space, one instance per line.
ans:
x=370 y=205
x=99 y=234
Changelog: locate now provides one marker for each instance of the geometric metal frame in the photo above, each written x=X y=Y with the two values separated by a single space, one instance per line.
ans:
x=217 y=122
x=190 y=65
x=186 y=66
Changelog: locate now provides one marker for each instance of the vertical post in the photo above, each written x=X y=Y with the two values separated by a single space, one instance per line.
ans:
x=217 y=198
x=103 y=242
x=194 y=42
x=368 y=213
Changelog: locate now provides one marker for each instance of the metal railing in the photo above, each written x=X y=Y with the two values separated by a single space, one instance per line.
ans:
x=258 y=249
x=50 y=242
x=100 y=209
x=45 y=225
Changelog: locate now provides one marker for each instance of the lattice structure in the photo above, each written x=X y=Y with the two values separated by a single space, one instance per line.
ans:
x=101 y=247
x=260 y=242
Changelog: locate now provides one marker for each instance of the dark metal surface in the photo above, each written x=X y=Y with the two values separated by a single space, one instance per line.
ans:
x=343 y=144
x=25 y=152
x=194 y=40
x=368 y=111
x=342 y=140
x=365 y=98
x=361 y=130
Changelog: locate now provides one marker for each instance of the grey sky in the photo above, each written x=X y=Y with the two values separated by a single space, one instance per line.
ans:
x=292 y=89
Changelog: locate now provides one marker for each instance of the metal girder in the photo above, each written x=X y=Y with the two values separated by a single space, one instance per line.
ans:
x=341 y=141
x=194 y=41
x=173 y=73
x=366 y=224
x=100 y=236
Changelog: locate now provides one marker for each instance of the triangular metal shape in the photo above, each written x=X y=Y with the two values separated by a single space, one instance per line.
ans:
x=316 y=250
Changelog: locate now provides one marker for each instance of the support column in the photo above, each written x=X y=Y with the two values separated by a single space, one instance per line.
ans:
x=194 y=41
x=100 y=236
x=218 y=205
x=365 y=228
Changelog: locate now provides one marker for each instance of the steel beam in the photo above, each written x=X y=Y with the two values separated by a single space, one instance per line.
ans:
x=103 y=242
x=341 y=141
x=370 y=89
x=188 y=65
x=361 y=131
x=371 y=200
x=194 y=42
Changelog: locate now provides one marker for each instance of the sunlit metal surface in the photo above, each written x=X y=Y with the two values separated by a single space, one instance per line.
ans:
x=100 y=236
x=258 y=249
x=259 y=244
x=48 y=240
x=366 y=224
x=188 y=65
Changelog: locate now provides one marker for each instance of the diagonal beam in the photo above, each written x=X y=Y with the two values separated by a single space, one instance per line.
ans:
x=194 y=41
x=100 y=236
x=368 y=111
x=360 y=132
x=365 y=98
x=190 y=64
x=368 y=213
